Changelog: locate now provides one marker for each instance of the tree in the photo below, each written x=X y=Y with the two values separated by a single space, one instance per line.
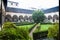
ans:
x=38 y=16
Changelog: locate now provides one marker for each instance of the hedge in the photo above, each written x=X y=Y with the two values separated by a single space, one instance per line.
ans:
x=23 y=23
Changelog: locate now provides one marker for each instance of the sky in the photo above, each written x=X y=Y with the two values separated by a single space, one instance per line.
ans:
x=38 y=4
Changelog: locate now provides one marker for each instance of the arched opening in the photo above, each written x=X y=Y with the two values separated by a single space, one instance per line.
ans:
x=30 y=18
x=49 y=17
x=15 y=18
x=20 y=18
x=25 y=18
x=55 y=18
x=8 y=17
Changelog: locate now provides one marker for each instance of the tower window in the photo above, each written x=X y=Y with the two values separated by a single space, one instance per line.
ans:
x=11 y=3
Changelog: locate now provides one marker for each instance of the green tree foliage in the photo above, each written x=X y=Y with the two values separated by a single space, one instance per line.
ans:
x=11 y=32
x=38 y=16
x=53 y=31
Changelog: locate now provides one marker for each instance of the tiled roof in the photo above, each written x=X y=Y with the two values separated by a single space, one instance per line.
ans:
x=19 y=10
x=55 y=9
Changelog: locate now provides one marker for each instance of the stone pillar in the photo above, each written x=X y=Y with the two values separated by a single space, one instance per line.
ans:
x=51 y=20
x=0 y=14
x=3 y=13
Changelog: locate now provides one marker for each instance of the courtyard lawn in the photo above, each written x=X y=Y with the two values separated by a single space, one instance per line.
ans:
x=43 y=27
x=27 y=27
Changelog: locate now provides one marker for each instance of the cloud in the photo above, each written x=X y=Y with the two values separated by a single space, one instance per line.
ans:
x=45 y=4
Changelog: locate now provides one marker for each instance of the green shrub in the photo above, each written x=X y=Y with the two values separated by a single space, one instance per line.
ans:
x=11 y=32
x=23 y=23
x=8 y=33
x=8 y=25
x=53 y=31
x=23 y=33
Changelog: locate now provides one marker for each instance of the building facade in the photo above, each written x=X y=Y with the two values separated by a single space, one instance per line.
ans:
x=15 y=14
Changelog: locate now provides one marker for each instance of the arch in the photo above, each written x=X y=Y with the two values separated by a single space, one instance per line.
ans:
x=26 y=17
x=49 y=17
x=30 y=17
x=15 y=18
x=20 y=17
x=8 y=17
x=56 y=17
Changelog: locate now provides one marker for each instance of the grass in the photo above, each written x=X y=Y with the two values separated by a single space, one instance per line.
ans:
x=43 y=27
x=26 y=26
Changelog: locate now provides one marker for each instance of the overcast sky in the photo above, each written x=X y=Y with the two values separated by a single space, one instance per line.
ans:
x=45 y=4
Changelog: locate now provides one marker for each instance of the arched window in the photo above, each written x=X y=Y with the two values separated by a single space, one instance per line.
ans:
x=55 y=17
x=15 y=18
x=30 y=17
x=20 y=17
x=25 y=17
x=49 y=17
x=8 y=17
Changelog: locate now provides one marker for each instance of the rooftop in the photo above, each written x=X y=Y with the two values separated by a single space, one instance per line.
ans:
x=55 y=9
x=19 y=10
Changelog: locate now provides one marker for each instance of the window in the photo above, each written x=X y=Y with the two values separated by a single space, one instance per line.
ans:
x=49 y=17
x=16 y=4
x=11 y=3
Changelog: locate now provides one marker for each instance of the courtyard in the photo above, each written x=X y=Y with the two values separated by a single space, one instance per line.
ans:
x=23 y=21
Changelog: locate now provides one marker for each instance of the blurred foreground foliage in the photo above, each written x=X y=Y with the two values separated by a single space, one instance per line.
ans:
x=11 y=32
x=53 y=31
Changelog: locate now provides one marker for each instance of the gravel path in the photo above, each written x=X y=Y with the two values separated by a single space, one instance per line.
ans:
x=31 y=33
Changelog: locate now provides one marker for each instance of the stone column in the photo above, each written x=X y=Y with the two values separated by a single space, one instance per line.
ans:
x=3 y=13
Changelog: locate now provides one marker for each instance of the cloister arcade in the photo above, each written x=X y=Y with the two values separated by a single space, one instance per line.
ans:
x=22 y=18
x=15 y=18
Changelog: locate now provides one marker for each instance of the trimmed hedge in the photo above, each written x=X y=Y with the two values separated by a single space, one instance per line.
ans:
x=23 y=23
x=47 y=23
